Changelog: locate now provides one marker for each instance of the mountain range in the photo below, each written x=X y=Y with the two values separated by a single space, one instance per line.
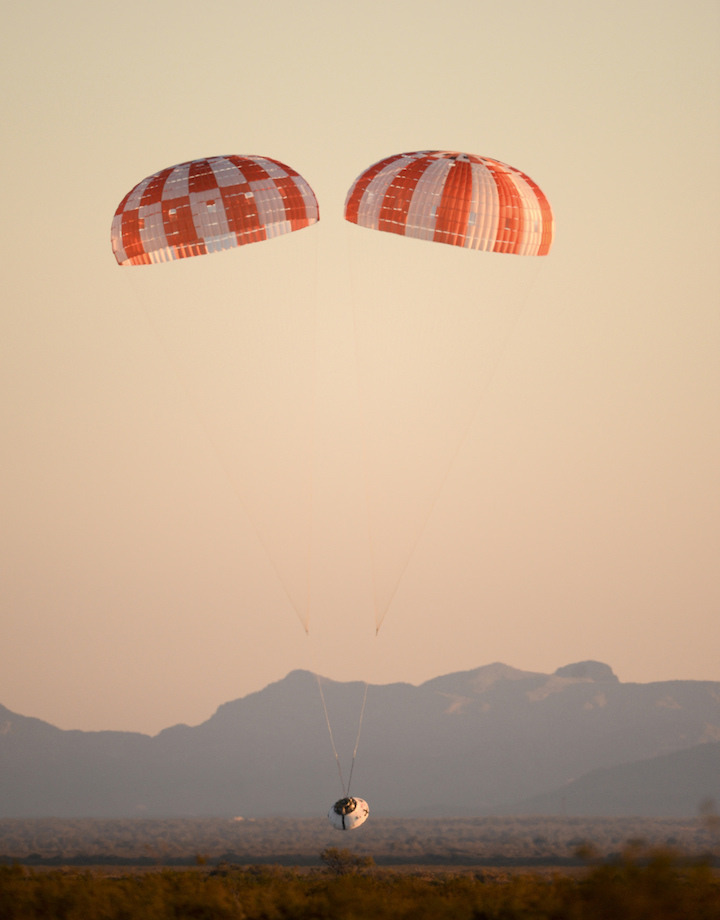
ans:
x=490 y=740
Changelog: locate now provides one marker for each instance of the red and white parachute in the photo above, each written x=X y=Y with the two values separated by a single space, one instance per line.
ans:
x=455 y=198
x=208 y=205
x=257 y=370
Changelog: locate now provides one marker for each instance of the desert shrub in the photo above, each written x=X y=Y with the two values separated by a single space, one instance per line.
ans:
x=654 y=884
x=640 y=886
x=344 y=862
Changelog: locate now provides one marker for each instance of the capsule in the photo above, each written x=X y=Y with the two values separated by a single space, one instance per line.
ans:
x=348 y=813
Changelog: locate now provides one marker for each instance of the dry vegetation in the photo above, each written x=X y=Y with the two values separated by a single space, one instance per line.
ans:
x=653 y=888
x=465 y=869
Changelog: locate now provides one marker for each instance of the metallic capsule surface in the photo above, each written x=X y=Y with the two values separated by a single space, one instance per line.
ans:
x=348 y=813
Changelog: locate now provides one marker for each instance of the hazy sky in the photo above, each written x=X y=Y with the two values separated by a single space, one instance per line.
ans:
x=516 y=459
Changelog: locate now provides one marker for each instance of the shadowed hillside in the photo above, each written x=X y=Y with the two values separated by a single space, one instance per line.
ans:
x=461 y=744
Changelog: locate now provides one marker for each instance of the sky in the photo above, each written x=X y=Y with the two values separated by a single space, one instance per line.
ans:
x=496 y=458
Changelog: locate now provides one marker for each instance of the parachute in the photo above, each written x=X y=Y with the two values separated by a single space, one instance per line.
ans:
x=209 y=205
x=455 y=198
x=431 y=331
x=242 y=366
x=421 y=371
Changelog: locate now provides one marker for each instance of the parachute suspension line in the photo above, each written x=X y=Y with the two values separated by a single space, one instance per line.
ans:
x=330 y=732
x=464 y=434
x=345 y=787
x=382 y=608
x=357 y=740
x=196 y=412
x=363 y=401
x=305 y=621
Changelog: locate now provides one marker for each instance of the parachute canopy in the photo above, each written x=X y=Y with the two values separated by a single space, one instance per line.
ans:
x=456 y=198
x=208 y=205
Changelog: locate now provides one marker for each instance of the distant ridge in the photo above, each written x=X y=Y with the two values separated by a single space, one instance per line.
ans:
x=577 y=741
x=666 y=785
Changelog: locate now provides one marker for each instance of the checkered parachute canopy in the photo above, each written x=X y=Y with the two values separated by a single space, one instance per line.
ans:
x=456 y=198
x=209 y=205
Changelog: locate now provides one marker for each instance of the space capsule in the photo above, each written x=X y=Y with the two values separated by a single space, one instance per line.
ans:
x=348 y=813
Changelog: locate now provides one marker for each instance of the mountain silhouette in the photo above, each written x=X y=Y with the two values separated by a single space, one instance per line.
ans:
x=464 y=743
